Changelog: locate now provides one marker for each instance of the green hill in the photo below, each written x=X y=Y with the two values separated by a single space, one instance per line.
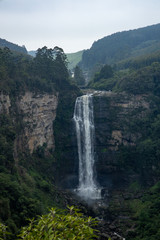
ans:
x=121 y=46
x=74 y=59
x=12 y=46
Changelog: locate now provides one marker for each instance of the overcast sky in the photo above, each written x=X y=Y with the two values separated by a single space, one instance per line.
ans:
x=72 y=24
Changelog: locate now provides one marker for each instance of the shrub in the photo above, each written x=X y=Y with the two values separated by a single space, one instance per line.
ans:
x=60 y=225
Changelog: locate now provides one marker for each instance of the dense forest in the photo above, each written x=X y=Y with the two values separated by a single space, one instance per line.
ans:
x=120 y=46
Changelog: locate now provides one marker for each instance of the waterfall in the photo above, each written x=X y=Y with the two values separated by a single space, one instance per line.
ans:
x=84 y=122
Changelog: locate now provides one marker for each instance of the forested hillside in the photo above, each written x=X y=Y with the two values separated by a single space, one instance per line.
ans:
x=120 y=46
x=142 y=69
x=12 y=46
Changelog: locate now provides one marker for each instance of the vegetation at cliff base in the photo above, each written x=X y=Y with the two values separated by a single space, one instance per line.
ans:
x=146 y=212
x=57 y=224
x=60 y=224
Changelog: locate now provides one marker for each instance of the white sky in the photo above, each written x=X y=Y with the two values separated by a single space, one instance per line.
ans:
x=72 y=24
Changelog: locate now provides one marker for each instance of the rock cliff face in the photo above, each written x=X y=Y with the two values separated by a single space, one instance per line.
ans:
x=117 y=124
x=35 y=113
x=114 y=114
x=117 y=118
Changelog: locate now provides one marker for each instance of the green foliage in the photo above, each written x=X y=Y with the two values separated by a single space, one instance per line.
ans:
x=138 y=62
x=146 y=211
x=22 y=193
x=50 y=64
x=105 y=73
x=142 y=81
x=3 y=231
x=24 y=197
x=7 y=136
x=26 y=182
x=105 y=79
x=16 y=202
x=78 y=76
x=122 y=45
x=12 y=46
x=60 y=225
x=46 y=72
x=103 y=84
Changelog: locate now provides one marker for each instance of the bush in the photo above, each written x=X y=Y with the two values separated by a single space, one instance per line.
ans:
x=60 y=225
x=3 y=231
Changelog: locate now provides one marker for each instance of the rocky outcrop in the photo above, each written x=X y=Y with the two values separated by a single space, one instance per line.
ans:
x=118 y=121
x=35 y=113
x=116 y=116
x=38 y=111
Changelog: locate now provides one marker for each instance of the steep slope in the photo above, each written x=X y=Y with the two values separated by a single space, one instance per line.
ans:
x=120 y=46
x=12 y=46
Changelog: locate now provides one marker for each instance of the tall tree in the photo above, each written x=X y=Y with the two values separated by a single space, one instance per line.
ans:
x=60 y=64
x=106 y=72
x=78 y=76
x=51 y=64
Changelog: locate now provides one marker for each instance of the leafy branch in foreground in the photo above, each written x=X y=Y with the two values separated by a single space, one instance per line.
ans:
x=3 y=231
x=60 y=224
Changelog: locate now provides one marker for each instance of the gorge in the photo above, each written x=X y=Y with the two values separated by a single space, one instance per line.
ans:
x=115 y=126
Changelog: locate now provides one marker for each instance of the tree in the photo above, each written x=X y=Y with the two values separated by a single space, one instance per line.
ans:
x=105 y=73
x=60 y=65
x=51 y=64
x=43 y=62
x=78 y=76
x=3 y=231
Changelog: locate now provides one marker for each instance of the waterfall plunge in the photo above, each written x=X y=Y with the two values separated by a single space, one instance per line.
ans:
x=84 y=121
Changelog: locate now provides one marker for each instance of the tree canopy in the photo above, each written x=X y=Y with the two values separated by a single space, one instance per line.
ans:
x=78 y=76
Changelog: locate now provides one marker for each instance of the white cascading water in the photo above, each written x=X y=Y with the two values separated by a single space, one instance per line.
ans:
x=84 y=121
